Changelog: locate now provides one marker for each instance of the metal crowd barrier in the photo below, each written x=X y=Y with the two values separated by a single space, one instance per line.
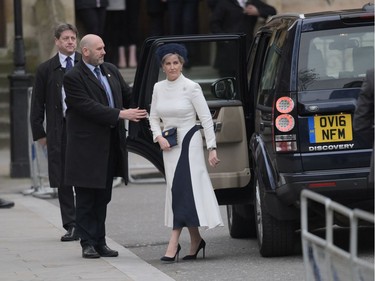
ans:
x=323 y=260
x=37 y=157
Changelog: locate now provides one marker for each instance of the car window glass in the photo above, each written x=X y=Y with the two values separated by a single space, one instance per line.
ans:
x=208 y=62
x=271 y=66
x=336 y=58
x=252 y=58
x=255 y=62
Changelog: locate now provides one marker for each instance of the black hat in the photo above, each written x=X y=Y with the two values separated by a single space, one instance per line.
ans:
x=171 y=48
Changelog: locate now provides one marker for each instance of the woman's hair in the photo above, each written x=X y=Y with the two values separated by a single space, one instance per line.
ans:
x=180 y=58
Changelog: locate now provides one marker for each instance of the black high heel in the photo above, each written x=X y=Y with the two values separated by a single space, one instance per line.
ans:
x=170 y=259
x=202 y=245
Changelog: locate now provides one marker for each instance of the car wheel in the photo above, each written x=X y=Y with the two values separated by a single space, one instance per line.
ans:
x=275 y=238
x=241 y=221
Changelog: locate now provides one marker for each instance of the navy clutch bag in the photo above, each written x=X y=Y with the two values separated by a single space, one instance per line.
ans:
x=171 y=136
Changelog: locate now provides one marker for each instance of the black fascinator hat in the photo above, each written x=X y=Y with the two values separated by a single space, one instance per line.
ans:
x=171 y=48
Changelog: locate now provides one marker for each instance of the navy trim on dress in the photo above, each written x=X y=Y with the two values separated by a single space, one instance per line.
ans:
x=183 y=204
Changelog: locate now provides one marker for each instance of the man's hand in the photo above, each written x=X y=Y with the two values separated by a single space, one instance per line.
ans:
x=42 y=141
x=133 y=114
x=251 y=10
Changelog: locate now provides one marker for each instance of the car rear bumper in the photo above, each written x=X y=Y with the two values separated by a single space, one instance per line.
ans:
x=347 y=187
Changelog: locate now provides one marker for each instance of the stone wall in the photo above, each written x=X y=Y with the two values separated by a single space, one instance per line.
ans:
x=39 y=17
x=48 y=14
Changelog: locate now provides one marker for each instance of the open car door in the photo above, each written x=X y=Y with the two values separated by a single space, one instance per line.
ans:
x=217 y=63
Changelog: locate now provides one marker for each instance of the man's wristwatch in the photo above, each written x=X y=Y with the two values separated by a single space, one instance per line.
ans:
x=212 y=148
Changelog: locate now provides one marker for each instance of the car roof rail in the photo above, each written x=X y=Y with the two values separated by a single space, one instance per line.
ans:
x=369 y=7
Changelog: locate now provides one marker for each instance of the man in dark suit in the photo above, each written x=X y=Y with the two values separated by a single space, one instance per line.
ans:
x=238 y=16
x=363 y=119
x=96 y=95
x=156 y=9
x=235 y=16
x=48 y=101
x=91 y=14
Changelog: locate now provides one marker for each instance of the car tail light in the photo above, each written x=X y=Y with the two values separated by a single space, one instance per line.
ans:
x=284 y=123
x=284 y=105
x=285 y=143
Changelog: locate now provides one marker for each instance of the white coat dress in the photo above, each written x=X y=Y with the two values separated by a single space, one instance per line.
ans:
x=190 y=199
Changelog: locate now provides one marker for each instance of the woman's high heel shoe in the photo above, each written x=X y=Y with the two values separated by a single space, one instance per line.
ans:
x=170 y=259
x=202 y=245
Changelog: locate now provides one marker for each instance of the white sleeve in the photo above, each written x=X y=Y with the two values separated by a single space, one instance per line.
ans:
x=154 y=118
x=204 y=115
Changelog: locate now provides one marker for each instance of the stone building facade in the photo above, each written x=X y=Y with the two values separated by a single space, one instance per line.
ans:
x=39 y=17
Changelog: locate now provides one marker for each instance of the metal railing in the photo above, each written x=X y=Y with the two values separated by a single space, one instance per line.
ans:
x=324 y=260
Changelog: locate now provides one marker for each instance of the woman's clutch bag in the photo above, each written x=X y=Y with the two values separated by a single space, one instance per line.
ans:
x=171 y=136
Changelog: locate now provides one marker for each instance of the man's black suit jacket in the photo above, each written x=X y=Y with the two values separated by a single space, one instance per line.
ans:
x=90 y=124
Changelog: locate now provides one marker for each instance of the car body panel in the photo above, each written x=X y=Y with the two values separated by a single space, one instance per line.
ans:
x=331 y=104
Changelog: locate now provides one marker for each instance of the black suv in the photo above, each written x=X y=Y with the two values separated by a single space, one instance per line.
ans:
x=283 y=114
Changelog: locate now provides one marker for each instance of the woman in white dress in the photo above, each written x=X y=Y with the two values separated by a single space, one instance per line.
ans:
x=190 y=199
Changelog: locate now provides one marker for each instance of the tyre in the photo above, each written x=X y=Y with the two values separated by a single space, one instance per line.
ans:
x=275 y=238
x=241 y=221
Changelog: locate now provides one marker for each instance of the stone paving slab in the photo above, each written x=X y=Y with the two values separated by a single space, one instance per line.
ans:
x=30 y=249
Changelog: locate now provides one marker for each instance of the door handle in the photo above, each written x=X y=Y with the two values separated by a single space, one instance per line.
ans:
x=261 y=126
x=217 y=126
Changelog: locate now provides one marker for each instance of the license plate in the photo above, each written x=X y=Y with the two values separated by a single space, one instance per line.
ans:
x=330 y=128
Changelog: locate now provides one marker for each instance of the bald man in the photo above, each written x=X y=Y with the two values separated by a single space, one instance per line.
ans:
x=98 y=101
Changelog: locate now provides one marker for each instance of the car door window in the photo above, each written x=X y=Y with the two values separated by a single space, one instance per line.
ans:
x=208 y=62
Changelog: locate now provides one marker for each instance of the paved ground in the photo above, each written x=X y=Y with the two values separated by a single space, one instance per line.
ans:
x=30 y=248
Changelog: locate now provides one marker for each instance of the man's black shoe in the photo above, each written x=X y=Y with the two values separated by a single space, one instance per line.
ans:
x=6 y=204
x=70 y=235
x=88 y=252
x=105 y=251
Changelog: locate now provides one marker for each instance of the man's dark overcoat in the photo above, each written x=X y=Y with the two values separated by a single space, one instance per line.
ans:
x=363 y=119
x=228 y=17
x=46 y=102
x=90 y=122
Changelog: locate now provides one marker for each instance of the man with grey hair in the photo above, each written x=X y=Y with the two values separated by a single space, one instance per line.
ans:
x=48 y=102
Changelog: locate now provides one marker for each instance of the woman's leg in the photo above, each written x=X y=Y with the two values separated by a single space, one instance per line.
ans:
x=121 y=57
x=132 y=56
x=173 y=243
x=195 y=239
